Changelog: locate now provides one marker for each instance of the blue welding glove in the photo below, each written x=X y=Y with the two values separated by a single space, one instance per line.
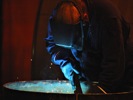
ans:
x=69 y=70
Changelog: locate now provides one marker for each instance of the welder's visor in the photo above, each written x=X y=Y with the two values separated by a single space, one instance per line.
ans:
x=68 y=35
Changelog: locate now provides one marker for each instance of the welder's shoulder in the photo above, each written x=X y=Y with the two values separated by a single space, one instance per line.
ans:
x=106 y=8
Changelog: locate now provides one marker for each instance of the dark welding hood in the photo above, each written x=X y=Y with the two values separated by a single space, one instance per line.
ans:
x=68 y=35
x=67 y=29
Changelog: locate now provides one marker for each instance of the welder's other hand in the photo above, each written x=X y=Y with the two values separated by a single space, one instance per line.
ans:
x=68 y=70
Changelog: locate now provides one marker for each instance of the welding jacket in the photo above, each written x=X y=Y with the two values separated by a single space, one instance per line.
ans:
x=103 y=56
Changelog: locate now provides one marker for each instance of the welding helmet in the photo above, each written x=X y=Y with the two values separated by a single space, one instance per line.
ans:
x=67 y=25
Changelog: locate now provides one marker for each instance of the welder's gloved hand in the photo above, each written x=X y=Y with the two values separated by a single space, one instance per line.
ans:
x=69 y=70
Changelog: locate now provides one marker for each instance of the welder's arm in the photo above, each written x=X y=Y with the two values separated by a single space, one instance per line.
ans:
x=113 y=63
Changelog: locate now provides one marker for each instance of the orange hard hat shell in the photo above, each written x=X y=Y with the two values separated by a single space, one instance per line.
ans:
x=68 y=14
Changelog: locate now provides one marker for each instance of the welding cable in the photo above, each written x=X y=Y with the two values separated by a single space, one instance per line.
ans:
x=102 y=90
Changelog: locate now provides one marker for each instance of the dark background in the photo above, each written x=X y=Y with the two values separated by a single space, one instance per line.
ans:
x=23 y=25
x=0 y=43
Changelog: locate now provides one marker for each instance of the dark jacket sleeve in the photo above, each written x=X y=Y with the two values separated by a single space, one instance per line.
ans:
x=113 y=51
x=113 y=63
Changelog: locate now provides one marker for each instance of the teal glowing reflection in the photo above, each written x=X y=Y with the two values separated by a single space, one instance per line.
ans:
x=47 y=86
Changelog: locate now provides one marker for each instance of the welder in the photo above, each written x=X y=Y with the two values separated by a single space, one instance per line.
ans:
x=89 y=38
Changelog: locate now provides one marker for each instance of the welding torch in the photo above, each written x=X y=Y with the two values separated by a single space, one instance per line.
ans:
x=76 y=84
x=78 y=90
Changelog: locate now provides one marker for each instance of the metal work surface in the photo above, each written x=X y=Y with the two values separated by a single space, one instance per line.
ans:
x=47 y=86
x=56 y=90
